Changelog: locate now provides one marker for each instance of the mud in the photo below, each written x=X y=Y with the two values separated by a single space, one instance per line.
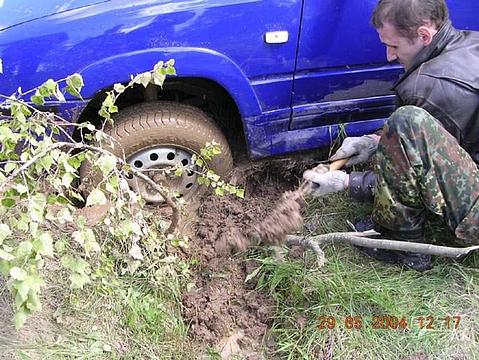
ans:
x=222 y=304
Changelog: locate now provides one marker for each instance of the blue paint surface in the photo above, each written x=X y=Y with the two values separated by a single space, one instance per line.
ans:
x=291 y=96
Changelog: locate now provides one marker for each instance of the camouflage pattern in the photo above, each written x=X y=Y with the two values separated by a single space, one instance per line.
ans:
x=420 y=167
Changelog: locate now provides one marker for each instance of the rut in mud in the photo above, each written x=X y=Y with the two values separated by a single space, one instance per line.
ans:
x=222 y=304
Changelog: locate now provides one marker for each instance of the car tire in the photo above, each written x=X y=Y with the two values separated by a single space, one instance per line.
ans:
x=157 y=135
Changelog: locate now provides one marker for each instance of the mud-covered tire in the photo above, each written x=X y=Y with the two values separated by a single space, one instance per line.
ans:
x=162 y=130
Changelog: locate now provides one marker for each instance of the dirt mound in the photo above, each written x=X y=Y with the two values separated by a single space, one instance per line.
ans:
x=222 y=303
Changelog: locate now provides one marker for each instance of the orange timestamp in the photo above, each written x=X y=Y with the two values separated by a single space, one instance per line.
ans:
x=389 y=322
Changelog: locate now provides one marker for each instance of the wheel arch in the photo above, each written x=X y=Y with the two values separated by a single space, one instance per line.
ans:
x=206 y=79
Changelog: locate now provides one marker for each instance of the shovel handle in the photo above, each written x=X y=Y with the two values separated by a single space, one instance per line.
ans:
x=338 y=164
x=307 y=186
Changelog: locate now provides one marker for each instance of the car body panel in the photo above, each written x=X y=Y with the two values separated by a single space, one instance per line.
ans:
x=14 y=12
x=329 y=76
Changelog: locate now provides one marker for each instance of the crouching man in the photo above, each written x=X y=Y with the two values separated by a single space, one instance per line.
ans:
x=427 y=154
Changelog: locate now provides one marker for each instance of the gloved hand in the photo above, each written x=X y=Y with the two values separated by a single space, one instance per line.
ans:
x=357 y=149
x=327 y=182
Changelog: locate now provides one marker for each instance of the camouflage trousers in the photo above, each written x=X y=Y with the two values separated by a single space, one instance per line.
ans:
x=420 y=167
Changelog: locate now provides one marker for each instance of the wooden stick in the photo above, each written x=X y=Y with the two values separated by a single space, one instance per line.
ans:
x=355 y=238
x=338 y=164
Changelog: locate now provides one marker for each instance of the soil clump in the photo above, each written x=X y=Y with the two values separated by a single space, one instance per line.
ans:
x=222 y=304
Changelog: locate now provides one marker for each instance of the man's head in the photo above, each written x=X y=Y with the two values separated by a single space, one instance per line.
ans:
x=407 y=26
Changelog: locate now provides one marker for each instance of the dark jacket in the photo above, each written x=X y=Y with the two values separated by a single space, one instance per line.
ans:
x=444 y=80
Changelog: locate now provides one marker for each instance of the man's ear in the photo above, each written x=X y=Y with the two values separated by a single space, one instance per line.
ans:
x=426 y=34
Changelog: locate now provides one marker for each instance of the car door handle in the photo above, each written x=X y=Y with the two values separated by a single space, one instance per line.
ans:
x=276 y=37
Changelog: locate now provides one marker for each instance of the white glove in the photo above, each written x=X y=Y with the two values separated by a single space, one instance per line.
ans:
x=328 y=182
x=358 y=149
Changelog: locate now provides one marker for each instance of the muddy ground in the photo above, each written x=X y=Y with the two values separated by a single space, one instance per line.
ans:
x=223 y=310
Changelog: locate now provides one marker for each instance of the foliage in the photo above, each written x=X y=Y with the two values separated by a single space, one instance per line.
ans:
x=40 y=164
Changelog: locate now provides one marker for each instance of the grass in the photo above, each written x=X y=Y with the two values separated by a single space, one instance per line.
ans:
x=139 y=316
x=351 y=285
x=116 y=317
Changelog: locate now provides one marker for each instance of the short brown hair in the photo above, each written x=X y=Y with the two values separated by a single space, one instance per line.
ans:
x=408 y=15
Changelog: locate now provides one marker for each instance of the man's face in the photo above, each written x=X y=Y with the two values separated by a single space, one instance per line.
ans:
x=398 y=47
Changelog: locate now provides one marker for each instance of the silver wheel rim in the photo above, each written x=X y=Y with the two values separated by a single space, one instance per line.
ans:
x=151 y=161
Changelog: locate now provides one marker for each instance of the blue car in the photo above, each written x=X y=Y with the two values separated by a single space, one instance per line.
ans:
x=276 y=76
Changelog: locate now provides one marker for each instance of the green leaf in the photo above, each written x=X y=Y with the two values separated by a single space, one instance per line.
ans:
x=158 y=79
x=108 y=106
x=79 y=237
x=37 y=206
x=67 y=179
x=109 y=100
x=119 y=88
x=4 y=232
x=106 y=163
x=37 y=99
x=75 y=80
x=170 y=70
x=96 y=197
x=72 y=91
x=24 y=249
x=143 y=79
x=5 y=133
x=22 y=224
x=18 y=274
x=76 y=196
x=10 y=166
x=20 y=318
x=22 y=189
x=51 y=87
x=64 y=215
x=78 y=280
x=59 y=95
x=240 y=193
x=43 y=91
x=219 y=191
x=46 y=162
x=6 y=255
x=202 y=180
x=213 y=176
x=33 y=228
x=33 y=302
x=158 y=66
x=74 y=84
x=44 y=245
x=22 y=287
x=65 y=161
x=178 y=172
x=75 y=264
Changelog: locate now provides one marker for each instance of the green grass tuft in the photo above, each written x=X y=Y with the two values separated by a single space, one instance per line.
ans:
x=351 y=284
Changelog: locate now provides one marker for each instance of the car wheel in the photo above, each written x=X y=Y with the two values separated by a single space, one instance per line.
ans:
x=161 y=135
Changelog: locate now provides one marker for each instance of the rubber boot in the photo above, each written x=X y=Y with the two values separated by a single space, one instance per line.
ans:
x=415 y=261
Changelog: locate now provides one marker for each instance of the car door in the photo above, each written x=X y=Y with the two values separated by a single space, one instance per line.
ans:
x=342 y=75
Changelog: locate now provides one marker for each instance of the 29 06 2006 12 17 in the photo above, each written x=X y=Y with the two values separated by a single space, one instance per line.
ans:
x=271 y=77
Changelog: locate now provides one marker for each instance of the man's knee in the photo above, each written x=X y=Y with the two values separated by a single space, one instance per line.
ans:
x=407 y=118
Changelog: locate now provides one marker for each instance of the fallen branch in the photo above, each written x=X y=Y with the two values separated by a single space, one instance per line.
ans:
x=307 y=243
x=361 y=239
